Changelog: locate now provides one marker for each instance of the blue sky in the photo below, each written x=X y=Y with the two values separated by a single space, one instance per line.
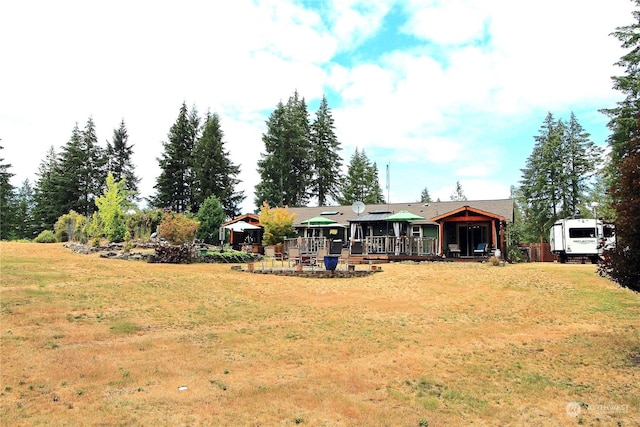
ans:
x=441 y=91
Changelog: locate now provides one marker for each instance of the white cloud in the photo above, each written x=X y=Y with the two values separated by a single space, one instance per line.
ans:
x=445 y=108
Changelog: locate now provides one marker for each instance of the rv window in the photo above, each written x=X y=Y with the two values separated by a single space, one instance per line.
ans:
x=581 y=233
x=608 y=231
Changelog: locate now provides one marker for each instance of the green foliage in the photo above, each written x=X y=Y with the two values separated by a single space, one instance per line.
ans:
x=286 y=166
x=176 y=183
x=215 y=174
x=327 y=164
x=554 y=180
x=178 y=229
x=141 y=224
x=361 y=183
x=231 y=257
x=458 y=193
x=277 y=223
x=119 y=164
x=425 y=197
x=622 y=264
x=110 y=209
x=25 y=224
x=71 y=227
x=46 y=236
x=7 y=205
x=211 y=215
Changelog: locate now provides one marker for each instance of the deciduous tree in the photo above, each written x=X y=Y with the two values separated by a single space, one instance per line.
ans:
x=277 y=223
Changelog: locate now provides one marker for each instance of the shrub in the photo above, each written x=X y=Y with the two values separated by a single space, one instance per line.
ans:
x=178 y=229
x=494 y=260
x=46 y=236
x=71 y=227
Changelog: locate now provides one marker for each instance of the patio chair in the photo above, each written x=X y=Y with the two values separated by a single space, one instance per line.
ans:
x=344 y=258
x=294 y=255
x=454 y=250
x=481 y=249
x=269 y=254
x=318 y=260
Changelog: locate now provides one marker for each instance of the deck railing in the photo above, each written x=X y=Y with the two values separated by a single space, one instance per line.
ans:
x=384 y=245
x=392 y=245
x=307 y=245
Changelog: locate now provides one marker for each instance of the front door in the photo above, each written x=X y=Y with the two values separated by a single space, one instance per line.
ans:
x=470 y=236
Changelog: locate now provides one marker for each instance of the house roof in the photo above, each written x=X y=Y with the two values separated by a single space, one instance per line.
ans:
x=248 y=217
x=344 y=214
x=469 y=209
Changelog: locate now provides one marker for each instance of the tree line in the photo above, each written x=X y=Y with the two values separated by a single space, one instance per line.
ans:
x=301 y=163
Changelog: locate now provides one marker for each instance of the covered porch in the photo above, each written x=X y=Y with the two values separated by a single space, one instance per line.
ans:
x=471 y=233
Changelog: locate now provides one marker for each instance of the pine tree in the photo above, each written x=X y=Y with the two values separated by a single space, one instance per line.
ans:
x=542 y=182
x=69 y=183
x=555 y=181
x=623 y=262
x=582 y=158
x=361 y=183
x=7 y=202
x=92 y=175
x=286 y=166
x=49 y=193
x=119 y=160
x=176 y=183
x=215 y=174
x=210 y=215
x=327 y=163
x=425 y=197
x=26 y=228
x=458 y=193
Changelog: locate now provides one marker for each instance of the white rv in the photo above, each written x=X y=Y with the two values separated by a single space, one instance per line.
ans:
x=579 y=237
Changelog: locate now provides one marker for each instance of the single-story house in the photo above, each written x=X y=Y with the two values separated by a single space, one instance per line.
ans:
x=454 y=228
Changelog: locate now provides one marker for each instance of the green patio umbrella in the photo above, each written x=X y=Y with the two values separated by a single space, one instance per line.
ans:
x=318 y=220
x=404 y=216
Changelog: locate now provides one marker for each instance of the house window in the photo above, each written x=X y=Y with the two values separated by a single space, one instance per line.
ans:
x=415 y=231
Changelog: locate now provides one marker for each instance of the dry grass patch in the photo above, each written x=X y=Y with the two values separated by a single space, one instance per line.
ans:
x=91 y=341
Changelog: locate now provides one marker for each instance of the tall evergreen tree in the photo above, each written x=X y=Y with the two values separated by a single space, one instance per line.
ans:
x=542 y=181
x=623 y=263
x=26 y=227
x=458 y=193
x=81 y=171
x=361 y=182
x=327 y=163
x=7 y=202
x=175 y=184
x=95 y=171
x=69 y=181
x=425 y=197
x=119 y=160
x=286 y=166
x=215 y=174
x=48 y=193
x=555 y=180
x=582 y=159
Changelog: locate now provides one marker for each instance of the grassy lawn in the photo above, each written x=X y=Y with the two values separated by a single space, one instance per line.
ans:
x=88 y=341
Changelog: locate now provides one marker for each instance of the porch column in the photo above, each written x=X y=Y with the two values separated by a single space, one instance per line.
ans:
x=494 y=235
x=441 y=233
